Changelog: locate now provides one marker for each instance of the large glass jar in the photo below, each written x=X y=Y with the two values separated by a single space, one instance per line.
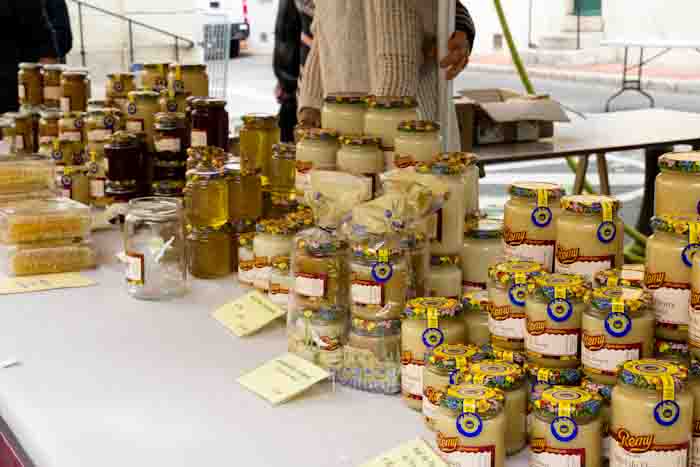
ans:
x=66 y=152
x=155 y=76
x=48 y=130
x=540 y=379
x=283 y=167
x=154 y=245
x=529 y=228
x=30 y=84
x=101 y=124
x=476 y=306
x=344 y=113
x=206 y=197
x=385 y=114
x=273 y=238
x=668 y=270
x=694 y=387
x=652 y=415
x=75 y=91
x=509 y=378
x=629 y=275
x=72 y=182
x=317 y=149
x=445 y=277
x=119 y=85
x=416 y=141
x=481 y=249
x=70 y=126
x=554 y=312
x=209 y=123
x=567 y=425
x=169 y=135
x=188 y=79
x=471 y=428
x=244 y=192
x=426 y=324
x=24 y=132
x=509 y=285
x=605 y=393
x=209 y=252
x=124 y=162
x=141 y=110
x=51 y=77
x=258 y=134
x=360 y=155
x=617 y=326
x=677 y=189
x=590 y=235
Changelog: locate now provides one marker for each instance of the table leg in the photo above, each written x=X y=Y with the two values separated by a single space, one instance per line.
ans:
x=581 y=170
x=602 y=163
x=651 y=170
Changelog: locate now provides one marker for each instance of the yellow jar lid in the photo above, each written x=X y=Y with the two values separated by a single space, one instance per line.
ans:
x=346 y=98
x=496 y=374
x=561 y=286
x=567 y=401
x=684 y=162
x=283 y=226
x=452 y=356
x=445 y=260
x=418 y=126
x=474 y=398
x=533 y=190
x=320 y=134
x=590 y=204
x=618 y=299
x=679 y=225
x=477 y=301
x=629 y=275
x=418 y=308
x=359 y=140
x=391 y=102
x=654 y=374
x=516 y=271
x=553 y=376
x=443 y=164
x=261 y=121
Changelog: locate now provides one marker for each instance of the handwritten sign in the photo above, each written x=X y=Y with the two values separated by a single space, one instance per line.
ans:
x=248 y=314
x=28 y=284
x=415 y=453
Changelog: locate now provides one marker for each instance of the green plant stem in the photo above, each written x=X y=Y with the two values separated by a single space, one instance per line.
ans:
x=515 y=56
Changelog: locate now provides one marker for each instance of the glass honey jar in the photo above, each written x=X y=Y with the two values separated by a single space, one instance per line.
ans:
x=244 y=191
x=209 y=123
x=206 y=197
x=51 y=75
x=30 y=88
x=258 y=134
x=75 y=91
x=283 y=167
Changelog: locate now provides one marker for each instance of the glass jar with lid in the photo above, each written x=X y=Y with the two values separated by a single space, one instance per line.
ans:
x=677 y=187
x=189 y=79
x=273 y=238
x=668 y=269
x=246 y=258
x=567 y=425
x=70 y=126
x=209 y=155
x=245 y=192
x=168 y=136
x=416 y=141
x=283 y=167
x=209 y=252
x=605 y=393
x=427 y=322
x=155 y=76
x=30 y=89
x=24 y=131
x=97 y=178
x=509 y=285
x=48 y=129
x=476 y=306
x=481 y=249
x=629 y=275
x=7 y=135
x=123 y=161
x=694 y=387
x=530 y=215
x=209 y=123
x=154 y=245
x=316 y=149
x=554 y=312
x=257 y=136
x=509 y=378
x=72 y=182
x=652 y=415
x=100 y=124
x=540 y=379
x=51 y=77
x=617 y=326
x=590 y=235
x=344 y=113
x=119 y=85
x=75 y=91
x=172 y=102
x=281 y=281
x=206 y=197
x=445 y=277
x=361 y=156
x=385 y=114
x=472 y=425
x=318 y=334
x=141 y=111
x=66 y=152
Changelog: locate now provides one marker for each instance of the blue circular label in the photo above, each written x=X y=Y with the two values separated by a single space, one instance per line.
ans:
x=541 y=216
x=688 y=252
x=455 y=377
x=618 y=324
x=564 y=429
x=666 y=413
x=57 y=155
x=560 y=310
x=109 y=121
x=470 y=425
x=171 y=106
x=131 y=108
x=78 y=122
x=607 y=231
x=517 y=294
x=382 y=272
x=432 y=337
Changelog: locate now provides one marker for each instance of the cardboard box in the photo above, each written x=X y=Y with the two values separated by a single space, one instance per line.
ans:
x=490 y=116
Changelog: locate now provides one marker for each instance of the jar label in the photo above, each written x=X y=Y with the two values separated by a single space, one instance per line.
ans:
x=670 y=300
x=168 y=145
x=97 y=188
x=516 y=245
x=99 y=135
x=310 y=285
x=46 y=139
x=19 y=142
x=411 y=377
x=551 y=343
x=469 y=286
x=506 y=323
x=695 y=450
x=198 y=138
x=279 y=292
x=569 y=261
x=363 y=292
x=431 y=404
x=72 y=135
x=21 y=92
x=601 y=357
x=261 y=275
x=134 y=269
x=52 y=93
x=134 y=125
x=65 y=104
x=628 y=449
x=543 y=455
x=456 y=453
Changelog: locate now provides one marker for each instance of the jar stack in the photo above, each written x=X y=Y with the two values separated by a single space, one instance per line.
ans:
x=170 y=161
x=482 y=248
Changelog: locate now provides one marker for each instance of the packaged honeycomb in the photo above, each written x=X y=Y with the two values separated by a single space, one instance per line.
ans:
x=31 y=259
x=42 y=220
x=26 y=174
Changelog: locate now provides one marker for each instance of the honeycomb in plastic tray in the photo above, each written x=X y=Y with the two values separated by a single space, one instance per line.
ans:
x=41 y=220
x=32 y=259
x=26 y=174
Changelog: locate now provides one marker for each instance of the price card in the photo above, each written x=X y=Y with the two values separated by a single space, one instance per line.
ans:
x=248 y=314
x=283 y=378
x=415 y=453
x=27 y=284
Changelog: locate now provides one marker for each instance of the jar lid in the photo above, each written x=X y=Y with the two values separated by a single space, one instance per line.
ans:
x=168 y=120
x=188 y=66
x=242 y=226
x=391 y=102
x=284 y=151
x=654 y=374
x=50 y=114
x=629 y=275
x=566 y=401
x=158 y=208
x=603 y=390
x=474 y=398
x=678 y=225
x=495 y=374
x=510 y=356
x=418 y=308
x=262 y=121
x=561 y=286
x=97 y=103
x=376 y=328
x=466 y=158
x=120 y=76
x=281 y=226
x=321 y=134
x=418 y=126
x=685 y=162
x=452 y=357
x=445 y=260
x=618 y=299
x=143 y=94
x=73 y=73
x=534 y=190
x=554 y=376
x=443 y=164
x=511 y=271
x=483 y=229
x=476 y=302
x=346 y=98
x=54 y=67
x=123 y=138
x=29 y=66
x=376 y=249
x=359 y=140
x=590 y=204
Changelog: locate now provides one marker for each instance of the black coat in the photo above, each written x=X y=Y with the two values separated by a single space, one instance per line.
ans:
x=286 y=59
x=57 y=12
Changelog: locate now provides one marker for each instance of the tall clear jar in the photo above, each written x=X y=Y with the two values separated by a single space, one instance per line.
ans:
x=48 y=130
x=509 y=285
x=154 y=245
x=590 y=235
x=541 y=379
x=283 y=168
x=189 y=79
x=529 y=228
x=677 y=187
x=426 y=324
x=470 y=430
x=75 y=91
x=209 y=252
x=30 y=84
x=652 y=415
x=361 y=156
x=258 y=134
x=51 y=76
x=617 y=326
x=416 y=141
x=273 y=238
x=385 y=114
x=316 y=149
x=554 y=313
x=206 y=197
x=445 y=277
x=344 y=113
x=668 y=269
x=476 y=306
x=141 y=111
x=482 y=248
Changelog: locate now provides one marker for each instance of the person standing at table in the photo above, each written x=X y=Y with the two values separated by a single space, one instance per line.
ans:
x=57 y=13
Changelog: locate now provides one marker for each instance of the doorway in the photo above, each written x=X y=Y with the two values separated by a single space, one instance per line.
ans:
x=588 y=7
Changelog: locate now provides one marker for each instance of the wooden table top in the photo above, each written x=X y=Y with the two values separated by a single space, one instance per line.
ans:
x=602 y=133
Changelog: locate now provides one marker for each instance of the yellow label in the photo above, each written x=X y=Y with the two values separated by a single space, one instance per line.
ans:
x=564 y=409
x=415 y=453
x=433 y=318
x=383 y=255
x=693 y=229
x=461 y=362
x=607 y=210
x=618 y=306
x=612 y=281
x=171 y=92
x=543 y=374
x=28 y=284
x=668 y=391
x=131 y=97
x=469 y=406
x=520 y=278
x=507 y=355
x=178 y=72
x=542 y=198
x=282 y=378
x=56 y=144
x=560 y=292
x=248 y=314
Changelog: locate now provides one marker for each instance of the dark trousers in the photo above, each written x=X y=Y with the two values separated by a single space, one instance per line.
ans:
x=288 y=120
x=9 y=100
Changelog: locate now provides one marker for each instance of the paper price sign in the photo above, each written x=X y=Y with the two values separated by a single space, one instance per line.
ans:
x=44 y=282
x=248 y=314
x=415 y=453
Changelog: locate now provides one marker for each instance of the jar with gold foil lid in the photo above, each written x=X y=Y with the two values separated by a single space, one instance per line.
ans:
x=30 y=89
x=385 y=114
x=101 y=124
x=445 y=277
x=190 y=79
x=273 y=238
x=590 y=235
x=67 y=152
x=629 y=275
x=257 y=136
x=24 y=132
x=209 y=252
x=509 y=286
x=245 y=192
x=416 y=141
x=48 y=129
x=71 y=126
x=677 y=187
x=427 y=322
x=567 y=425
x=283 y=167
x=669 y=265
x=482 y=248
x=119 y=85
x=206 y=197
x=540 y=378
x=316 y=149
x=361 y=156
x=141 y=111
x=208 y=155
x=51 y=77
x=72 y=182
x=652 y=414
x=617 y=326
x=554 y=313
x=477 y=306
x=155 y=76
x=344 y=113
x=75 y=91
x=530 y=222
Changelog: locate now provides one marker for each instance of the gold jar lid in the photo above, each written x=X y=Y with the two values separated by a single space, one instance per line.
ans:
x=29 y=66
x=681 y=162
x=536 y=190
x=392 y=102
x=590 y=204
x=418 y=126
x=359 y=140
x=168 y=120
x=346 y=98
x=260 y=121
x=495 y=374
x=321 y=134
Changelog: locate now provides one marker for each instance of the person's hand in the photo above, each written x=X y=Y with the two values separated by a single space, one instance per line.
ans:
x=309 y=118
x=457 y=58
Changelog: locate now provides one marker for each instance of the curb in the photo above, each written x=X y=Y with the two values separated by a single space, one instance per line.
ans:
x=603 y=79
